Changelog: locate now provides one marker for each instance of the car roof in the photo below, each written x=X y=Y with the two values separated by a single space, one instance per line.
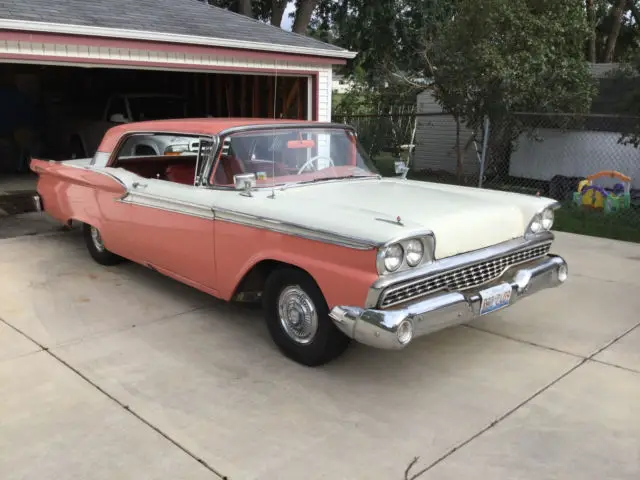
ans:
x=198 y=126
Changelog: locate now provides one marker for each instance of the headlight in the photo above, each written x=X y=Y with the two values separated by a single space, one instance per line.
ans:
x=393 y=256
x=547 y=219
x=542 y=221
x=404 y=254
x=414 y=252
x=536 y=224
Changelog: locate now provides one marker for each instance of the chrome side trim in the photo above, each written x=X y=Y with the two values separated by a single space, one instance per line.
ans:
x=108 y=174
x=168 y=204
x=457 y=261
x=209 y=213
x=294 y=229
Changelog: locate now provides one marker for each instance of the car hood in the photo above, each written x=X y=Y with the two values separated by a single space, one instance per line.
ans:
x=461 y=218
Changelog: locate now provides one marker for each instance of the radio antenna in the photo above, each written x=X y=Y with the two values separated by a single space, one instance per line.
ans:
x=273 y=137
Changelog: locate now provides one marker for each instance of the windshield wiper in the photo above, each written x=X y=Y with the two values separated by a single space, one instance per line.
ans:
x=326 y=179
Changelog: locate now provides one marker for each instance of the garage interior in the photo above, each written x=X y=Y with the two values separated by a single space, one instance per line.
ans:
x=40 y=102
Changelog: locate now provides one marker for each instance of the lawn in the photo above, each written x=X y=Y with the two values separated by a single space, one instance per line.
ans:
x=623 y=225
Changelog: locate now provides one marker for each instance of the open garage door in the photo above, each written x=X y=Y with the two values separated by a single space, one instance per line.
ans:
x=61 y=112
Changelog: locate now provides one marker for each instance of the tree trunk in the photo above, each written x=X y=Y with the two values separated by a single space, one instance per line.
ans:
x=277 y=11
x=610 y=49
x=244 y=8
x=591 y=19
x=303 y=15
x=459 y=169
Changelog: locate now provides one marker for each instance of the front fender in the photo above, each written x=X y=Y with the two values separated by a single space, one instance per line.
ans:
x=343 y=274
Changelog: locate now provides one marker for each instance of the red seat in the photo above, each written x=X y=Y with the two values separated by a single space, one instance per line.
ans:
x=227 y=167
x=181 y=174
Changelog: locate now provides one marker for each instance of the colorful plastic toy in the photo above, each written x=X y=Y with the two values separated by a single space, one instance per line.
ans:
x=609 y=200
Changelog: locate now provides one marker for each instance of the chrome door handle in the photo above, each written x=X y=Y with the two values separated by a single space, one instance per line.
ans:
x=139 y=185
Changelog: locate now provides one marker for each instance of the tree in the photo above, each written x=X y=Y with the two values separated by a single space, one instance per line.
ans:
x=498 y=57
x=616 y=13
x=591 y=19
x=272 y=11
x=627 y=79
x=304 y=11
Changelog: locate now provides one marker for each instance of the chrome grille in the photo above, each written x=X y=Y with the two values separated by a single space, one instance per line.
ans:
x=461 y=278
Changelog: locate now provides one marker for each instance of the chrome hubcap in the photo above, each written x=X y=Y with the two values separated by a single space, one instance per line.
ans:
x=298 y=315
x=97 y=239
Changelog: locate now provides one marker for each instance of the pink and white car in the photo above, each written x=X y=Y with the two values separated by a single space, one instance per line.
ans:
x=294 y=213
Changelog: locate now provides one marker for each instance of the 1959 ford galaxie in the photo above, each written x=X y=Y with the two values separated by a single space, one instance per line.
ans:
x=295 y=214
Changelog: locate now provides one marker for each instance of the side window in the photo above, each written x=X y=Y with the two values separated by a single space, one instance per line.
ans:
x=172 y=158
x=138 y=146
x=117 y=108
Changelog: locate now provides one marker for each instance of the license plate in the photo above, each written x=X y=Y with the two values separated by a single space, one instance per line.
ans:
x=495 y=298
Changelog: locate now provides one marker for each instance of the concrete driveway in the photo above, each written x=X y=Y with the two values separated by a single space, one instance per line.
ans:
x=120 y=373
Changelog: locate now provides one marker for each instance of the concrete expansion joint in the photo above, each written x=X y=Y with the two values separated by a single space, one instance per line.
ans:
x=115 y=400
x=583 y=360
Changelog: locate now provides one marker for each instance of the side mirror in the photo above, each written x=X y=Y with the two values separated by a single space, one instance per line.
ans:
x=118 y=118
x=245 y=182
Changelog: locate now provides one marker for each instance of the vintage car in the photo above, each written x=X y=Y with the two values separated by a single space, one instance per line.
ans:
x=293 y=214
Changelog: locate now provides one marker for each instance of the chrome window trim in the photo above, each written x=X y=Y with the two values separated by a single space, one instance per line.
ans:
x=125 y=136
x=283 y=125
x=454 y=262
x=208 y=172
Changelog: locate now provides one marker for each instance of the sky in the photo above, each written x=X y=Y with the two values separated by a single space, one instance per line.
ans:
x=287 y=23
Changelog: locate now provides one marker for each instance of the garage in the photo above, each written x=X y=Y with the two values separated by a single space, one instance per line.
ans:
x=70 y=70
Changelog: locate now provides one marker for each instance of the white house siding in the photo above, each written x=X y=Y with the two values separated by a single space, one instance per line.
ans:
x=436 y=139
x=573 y=154
x=61 y=54
x=324 y=94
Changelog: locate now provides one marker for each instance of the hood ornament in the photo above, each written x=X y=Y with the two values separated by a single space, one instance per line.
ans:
x=397 y=221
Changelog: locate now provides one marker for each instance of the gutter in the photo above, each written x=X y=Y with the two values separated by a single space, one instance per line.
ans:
x=82 y=30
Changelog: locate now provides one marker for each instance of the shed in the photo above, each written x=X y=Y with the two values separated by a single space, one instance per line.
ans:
x=436 y=139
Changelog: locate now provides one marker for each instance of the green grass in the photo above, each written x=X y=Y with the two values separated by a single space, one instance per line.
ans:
x=622 y=225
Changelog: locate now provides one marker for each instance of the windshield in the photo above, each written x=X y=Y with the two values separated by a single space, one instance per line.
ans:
x=157 y=108
x=292 y=155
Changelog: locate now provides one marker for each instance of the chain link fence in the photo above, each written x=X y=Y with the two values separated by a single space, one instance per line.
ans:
x=566 y=157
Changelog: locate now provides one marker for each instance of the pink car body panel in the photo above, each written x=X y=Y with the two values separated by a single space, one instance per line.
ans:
x=211 y=255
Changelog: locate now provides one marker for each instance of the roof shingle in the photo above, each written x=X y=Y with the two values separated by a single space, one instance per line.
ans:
x=181 y=17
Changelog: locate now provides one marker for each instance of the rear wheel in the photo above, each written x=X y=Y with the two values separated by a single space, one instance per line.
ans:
x=96 y=247
x=298 y=320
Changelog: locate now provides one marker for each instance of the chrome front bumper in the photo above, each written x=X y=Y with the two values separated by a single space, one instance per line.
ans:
x=388 y=329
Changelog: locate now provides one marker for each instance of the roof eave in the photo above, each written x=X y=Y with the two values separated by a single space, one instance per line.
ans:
x=88 y=31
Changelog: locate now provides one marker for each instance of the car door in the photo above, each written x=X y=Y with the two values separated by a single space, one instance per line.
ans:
x=174 y=225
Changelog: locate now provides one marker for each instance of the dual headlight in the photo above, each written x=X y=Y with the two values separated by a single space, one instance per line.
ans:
x=541 y=222
x=408 y=253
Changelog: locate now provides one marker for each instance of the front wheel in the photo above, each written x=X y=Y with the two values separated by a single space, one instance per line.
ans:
x=97 y=250
x=298 y=320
